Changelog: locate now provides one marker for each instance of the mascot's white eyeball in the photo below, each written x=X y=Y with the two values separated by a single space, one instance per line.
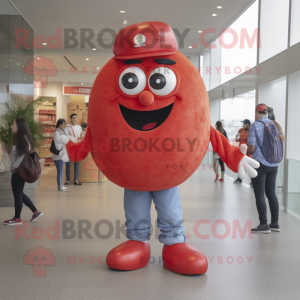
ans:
x=132 y=81
x=162 y=81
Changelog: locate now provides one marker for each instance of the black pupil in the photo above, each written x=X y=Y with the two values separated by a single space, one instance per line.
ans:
x=158 y=81
x=130 y=81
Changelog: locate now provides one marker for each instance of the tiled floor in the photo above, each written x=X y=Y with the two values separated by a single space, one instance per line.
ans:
x=240 y=267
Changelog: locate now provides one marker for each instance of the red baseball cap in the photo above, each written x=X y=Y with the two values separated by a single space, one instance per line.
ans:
x=261 y=107
x=144 y=40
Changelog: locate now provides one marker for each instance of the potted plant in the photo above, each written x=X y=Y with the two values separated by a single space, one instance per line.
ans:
x=17 y=107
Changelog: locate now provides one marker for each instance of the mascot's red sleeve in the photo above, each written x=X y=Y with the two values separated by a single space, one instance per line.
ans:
x=80 y=151
x=230 y=155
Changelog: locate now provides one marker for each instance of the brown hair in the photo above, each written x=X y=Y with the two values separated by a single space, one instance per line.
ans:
x=22 y=138
x=219 y=126
x=271 y=116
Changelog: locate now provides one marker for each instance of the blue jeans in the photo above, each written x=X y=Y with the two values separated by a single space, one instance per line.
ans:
x=68 y=170
x=60 y=171
x=169 y=215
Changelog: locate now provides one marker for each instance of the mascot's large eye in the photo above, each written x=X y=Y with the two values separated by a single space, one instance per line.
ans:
x=162 y=81
x=132 y=81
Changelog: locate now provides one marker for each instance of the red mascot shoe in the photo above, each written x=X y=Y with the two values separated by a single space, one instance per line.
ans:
x=130 y=255
x=184 y=259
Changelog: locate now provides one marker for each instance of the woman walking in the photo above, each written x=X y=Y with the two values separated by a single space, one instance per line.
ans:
x=216 y=158
x=59 y=132
x=22 y=144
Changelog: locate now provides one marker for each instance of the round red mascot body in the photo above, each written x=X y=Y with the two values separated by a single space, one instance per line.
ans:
x=149 y=120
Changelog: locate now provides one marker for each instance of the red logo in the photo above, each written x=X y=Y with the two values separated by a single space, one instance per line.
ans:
x=39 y=258
x=41 y=68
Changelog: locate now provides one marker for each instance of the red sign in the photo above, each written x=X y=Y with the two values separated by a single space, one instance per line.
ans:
x=76 y=90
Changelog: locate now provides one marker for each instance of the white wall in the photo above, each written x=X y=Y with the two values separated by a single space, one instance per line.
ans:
x=295 y=32
x=293 y=146
x=293 y=142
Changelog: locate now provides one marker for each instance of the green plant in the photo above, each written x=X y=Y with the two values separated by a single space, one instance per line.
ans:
x=19 y=107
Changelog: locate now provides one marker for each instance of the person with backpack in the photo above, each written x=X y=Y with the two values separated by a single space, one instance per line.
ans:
x=216 y=158
x=265 y=145
x=22 y=144
x=56 y=147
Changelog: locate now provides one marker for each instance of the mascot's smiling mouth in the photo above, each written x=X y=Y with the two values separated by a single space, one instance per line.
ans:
x=145 y=120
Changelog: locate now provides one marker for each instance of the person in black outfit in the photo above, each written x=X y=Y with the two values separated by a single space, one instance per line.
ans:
x=22 y=144
x=216 y=158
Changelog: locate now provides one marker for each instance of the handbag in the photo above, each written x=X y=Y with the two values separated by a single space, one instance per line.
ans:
x=30 y=168
x=53 y=148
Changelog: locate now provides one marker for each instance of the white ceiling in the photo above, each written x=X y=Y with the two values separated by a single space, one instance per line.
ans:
x=45 y=16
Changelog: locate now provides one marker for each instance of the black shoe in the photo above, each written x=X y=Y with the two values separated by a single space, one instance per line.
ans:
x=77 y=183
x=274 y=227
x=238 y=181
x=261 y=229
x=67 y=183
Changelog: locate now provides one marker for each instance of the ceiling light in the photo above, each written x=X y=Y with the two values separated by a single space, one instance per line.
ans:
x=190 y=47
x=94 y=49
x=87 y=59
x=98 y=68
x=214 y=15
x=219 y=7
x=122 y=11
x=44 y=44
x=199 y=31
x=81 y=82
x=10 y=60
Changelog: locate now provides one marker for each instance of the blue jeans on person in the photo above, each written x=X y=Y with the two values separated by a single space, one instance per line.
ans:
x=265 y=183
x=137 y=207
x=60 y=171
x=68 y=170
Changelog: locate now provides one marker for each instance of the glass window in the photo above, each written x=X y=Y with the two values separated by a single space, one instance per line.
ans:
x=295 y=32
x=233 y=111
x=274 y=23
x=239 y=44
x=215 y=77
x=206 y=68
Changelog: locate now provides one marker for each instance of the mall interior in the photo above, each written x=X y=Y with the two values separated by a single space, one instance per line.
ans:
x=59 y=58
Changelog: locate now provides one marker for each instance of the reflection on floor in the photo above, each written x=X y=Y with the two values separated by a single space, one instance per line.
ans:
x=241 y=266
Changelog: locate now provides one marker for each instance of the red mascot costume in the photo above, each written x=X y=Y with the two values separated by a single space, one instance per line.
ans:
x=155 y=129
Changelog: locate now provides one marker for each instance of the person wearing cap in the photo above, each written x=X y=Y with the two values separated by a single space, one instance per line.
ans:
x=265 y=182
x=242 y=137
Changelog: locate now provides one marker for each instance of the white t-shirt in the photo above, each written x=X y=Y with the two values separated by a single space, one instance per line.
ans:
x=74 y=132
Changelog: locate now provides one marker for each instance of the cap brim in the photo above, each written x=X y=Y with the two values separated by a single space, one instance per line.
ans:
x=150 y=54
